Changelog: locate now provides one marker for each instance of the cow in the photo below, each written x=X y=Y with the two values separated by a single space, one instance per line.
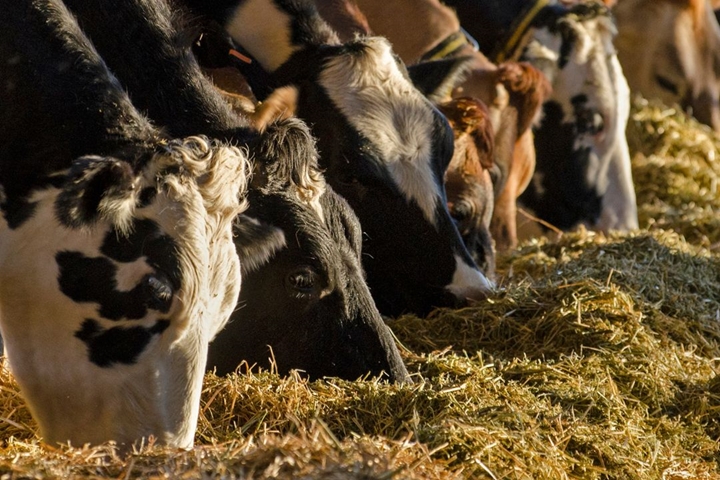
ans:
x=297 y=242
x=300 y=249
x=670 y=50
x=582 y=174
x=468 y=180
x=117 y=264
x=383 y=147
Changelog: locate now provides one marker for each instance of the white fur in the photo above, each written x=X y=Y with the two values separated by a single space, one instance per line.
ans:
x=593 y=70
x=468 y=282
x=264 y=30
x=385 y=107
x=73 y=399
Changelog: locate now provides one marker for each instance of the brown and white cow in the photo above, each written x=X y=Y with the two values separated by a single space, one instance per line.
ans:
x=117 y=264
x=582 y=174
x=670 y=50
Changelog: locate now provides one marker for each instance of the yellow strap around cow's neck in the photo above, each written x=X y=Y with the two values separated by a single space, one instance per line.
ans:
x=450 y=46
x=518 y=29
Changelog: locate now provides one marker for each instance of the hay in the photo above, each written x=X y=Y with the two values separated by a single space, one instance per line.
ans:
x=598 y=359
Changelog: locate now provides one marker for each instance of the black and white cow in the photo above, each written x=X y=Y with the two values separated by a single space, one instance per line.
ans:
x=303 y=291
x=299 y=245
x=117 y=264
x=383 y=147
x=582 y=174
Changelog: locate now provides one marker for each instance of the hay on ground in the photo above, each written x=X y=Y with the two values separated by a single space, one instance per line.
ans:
x=597 y=359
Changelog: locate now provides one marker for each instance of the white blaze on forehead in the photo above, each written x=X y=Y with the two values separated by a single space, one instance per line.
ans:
x=385 y=108
x=268 y=40
x=468 y=281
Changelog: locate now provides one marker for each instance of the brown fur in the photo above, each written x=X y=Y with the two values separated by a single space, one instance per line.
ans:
x=503 y=226
x=422 y=24
x=467 y=178
x=528 y=89
x=469 y=116
x=344 y=17
x=691 y=66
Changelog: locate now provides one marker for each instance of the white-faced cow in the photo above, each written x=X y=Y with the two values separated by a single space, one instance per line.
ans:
x=383 y=147
x=303 y=294
x=582 y=174
x=117 y=264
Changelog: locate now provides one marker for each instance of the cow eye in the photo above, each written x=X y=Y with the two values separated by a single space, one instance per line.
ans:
x=667 y=84
x=462 y=211
x=302 y=280
x=158 y=291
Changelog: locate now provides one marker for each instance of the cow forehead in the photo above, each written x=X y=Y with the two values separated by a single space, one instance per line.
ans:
x=379 y=102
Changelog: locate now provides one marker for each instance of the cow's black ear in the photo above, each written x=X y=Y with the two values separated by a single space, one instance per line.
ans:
x=95 y=187
x=256 y=242
x=437 y=78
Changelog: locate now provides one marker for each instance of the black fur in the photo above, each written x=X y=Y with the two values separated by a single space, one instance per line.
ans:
x=134 y=41
x=110 y=346
x=44 y=127
x=325 y=325
x=353 y=167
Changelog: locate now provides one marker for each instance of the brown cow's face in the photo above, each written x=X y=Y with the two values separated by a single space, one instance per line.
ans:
x=670 y=50
x=468 y=185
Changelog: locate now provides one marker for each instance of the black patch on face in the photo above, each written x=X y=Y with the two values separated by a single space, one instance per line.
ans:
x=145 y=240
x=567 y=196
x=18 y=212
x=109 y=346
x=146 y=197
x=86 y=279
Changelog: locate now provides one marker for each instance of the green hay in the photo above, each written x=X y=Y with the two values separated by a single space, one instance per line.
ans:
x=598 y=358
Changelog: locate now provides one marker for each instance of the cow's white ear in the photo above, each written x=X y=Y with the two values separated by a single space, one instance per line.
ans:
x=437 y=78
x=256 y=242
x=97 y=187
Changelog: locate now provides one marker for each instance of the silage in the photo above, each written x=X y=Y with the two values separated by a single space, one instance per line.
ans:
x=597 y=358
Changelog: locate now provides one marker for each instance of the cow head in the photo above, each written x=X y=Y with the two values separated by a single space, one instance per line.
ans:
x=583 y=164
x=304 y=301
x=113 y=285
x=467 y=180
x=670 y=50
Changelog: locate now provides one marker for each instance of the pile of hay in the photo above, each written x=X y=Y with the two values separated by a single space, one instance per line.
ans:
x=598 y=358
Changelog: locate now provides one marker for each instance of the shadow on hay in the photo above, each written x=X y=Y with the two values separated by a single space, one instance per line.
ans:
x=582 y=294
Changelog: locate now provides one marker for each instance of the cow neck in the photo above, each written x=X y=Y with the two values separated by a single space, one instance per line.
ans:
x=511 y=42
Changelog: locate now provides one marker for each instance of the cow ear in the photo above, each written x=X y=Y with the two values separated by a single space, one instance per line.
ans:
x=97 y=187
x=256 y=242
x=436 y=79
x=280 y=105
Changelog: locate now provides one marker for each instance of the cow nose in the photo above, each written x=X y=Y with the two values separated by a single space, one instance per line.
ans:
x=706 y=109
x=468 y=282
